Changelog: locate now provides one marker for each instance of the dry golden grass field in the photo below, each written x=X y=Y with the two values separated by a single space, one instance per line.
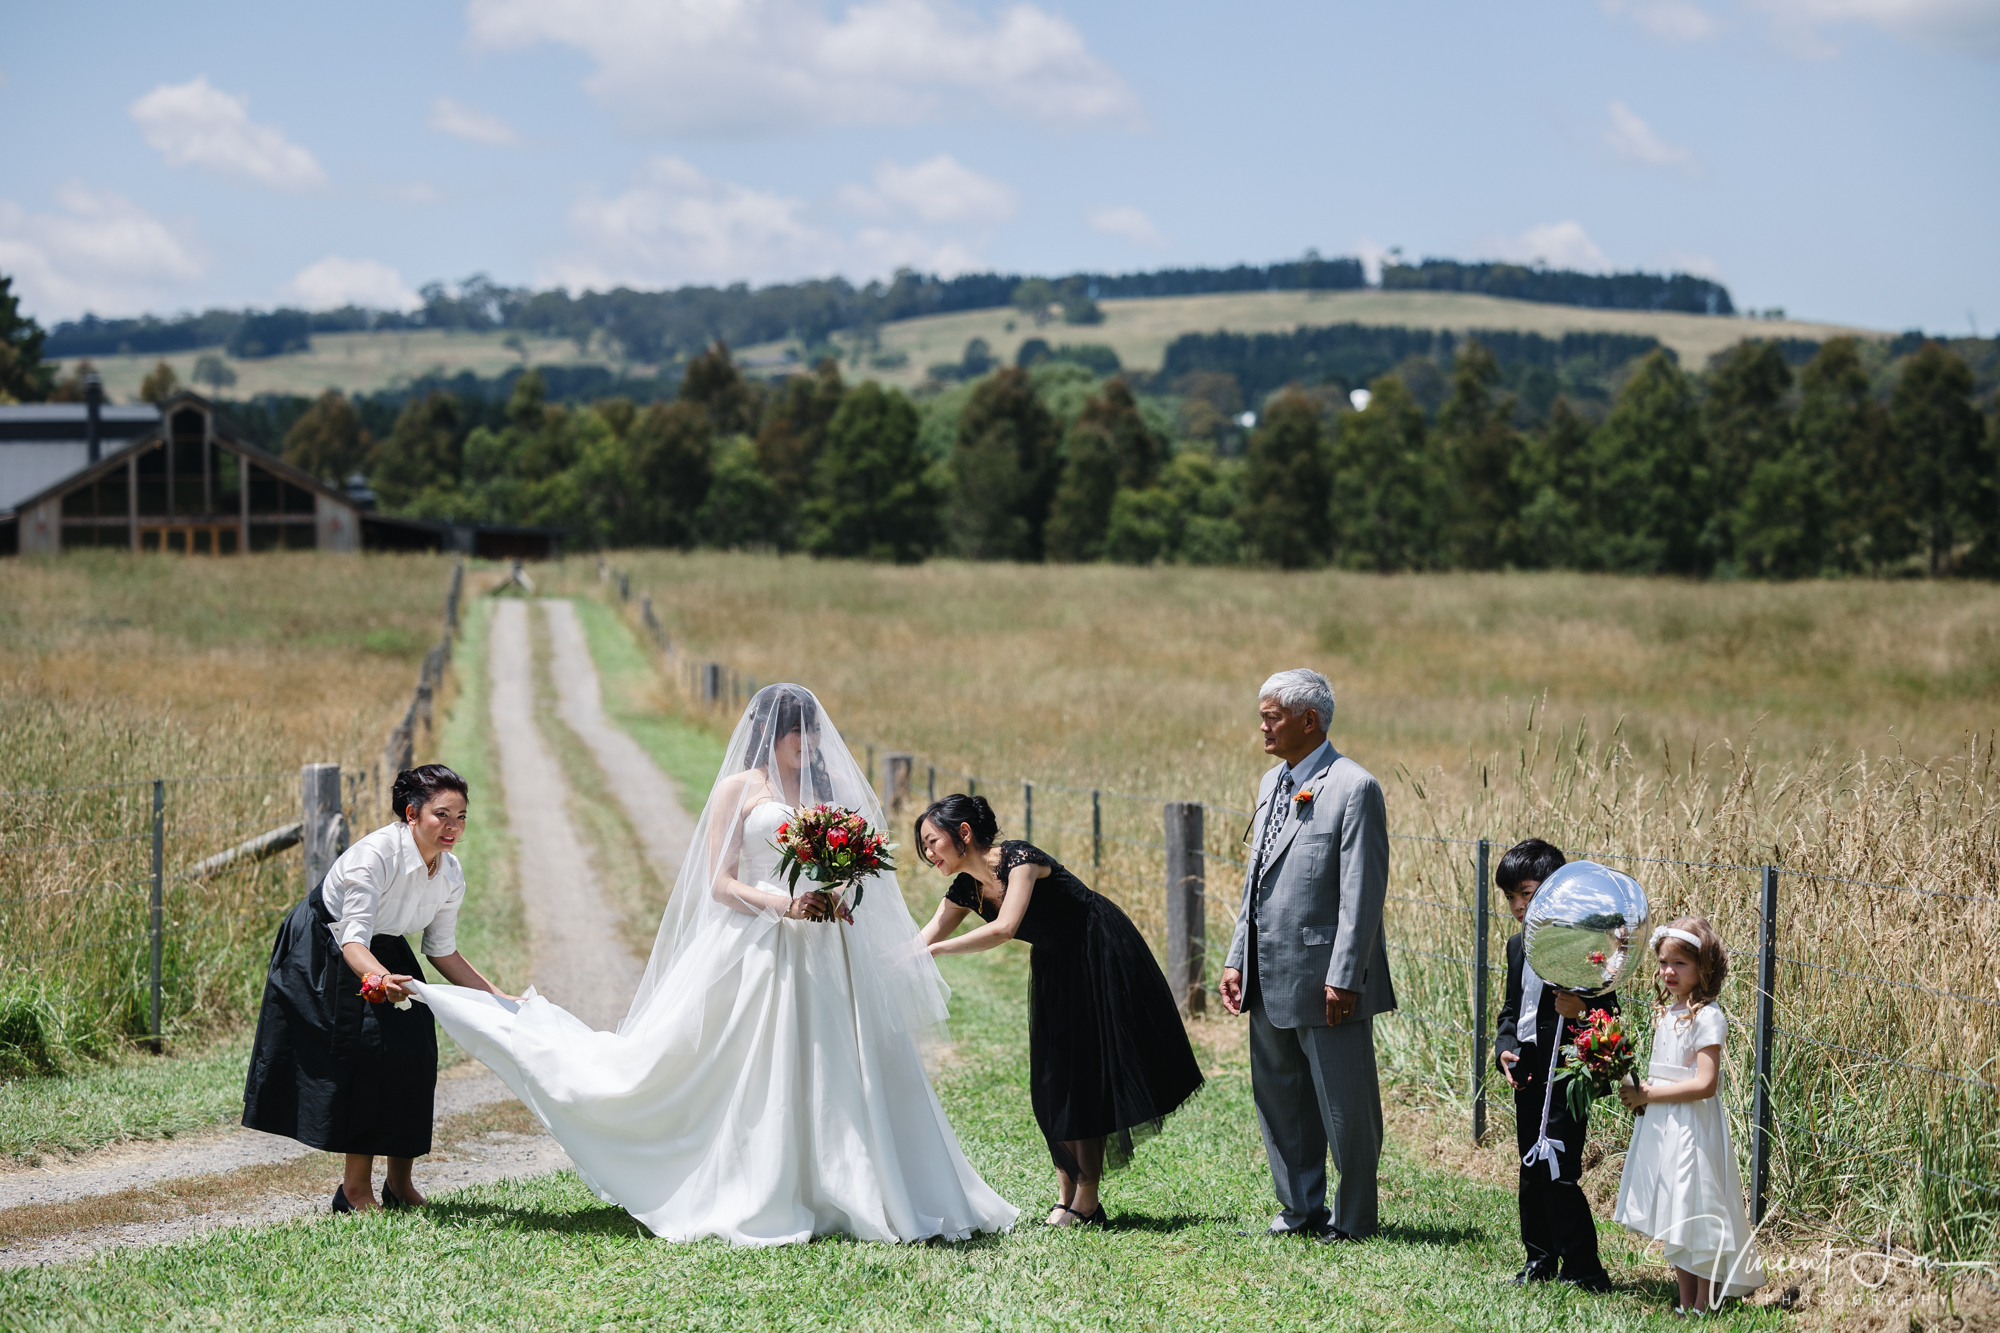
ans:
x=220 y=677
x=1139 y=329
x=1842 y=730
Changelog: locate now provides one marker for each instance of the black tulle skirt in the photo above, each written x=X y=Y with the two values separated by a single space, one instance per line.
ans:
x=330 y=1069
x=1108 y=1055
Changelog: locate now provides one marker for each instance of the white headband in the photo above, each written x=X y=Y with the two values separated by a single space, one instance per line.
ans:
x=1671 y=933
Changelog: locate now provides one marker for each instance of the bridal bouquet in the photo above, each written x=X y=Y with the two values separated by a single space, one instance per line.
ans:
x=1601 y=1058
x=834 y=848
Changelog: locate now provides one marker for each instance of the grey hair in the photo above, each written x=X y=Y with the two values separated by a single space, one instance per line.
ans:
x=1299 y=689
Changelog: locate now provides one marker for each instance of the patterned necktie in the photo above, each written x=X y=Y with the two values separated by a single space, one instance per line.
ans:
x=1272 y=823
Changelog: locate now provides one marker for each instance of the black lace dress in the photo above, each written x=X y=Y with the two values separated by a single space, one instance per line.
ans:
x=1108 y=1056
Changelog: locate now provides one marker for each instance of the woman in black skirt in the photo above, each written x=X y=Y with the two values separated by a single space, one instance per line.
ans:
x=1108 y=1056
x=342 y=1061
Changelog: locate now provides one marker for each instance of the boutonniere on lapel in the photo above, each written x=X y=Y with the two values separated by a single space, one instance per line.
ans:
x=1303 y=802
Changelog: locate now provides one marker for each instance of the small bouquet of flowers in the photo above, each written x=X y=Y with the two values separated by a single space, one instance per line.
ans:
x=834 y=848
x=1600 y=1059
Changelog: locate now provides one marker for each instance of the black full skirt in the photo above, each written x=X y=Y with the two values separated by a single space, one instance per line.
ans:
x=1108 y=1055
x=330 y=1069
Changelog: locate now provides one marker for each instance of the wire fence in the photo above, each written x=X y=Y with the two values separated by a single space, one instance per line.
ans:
x=138 y=908
x=1856 y=1099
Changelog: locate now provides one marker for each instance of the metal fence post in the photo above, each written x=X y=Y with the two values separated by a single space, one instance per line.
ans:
x=1027 y=812
x=1187 y=923
x=158 y=928
x=1096 y=833
x=1479 y=928
x=1767 y=979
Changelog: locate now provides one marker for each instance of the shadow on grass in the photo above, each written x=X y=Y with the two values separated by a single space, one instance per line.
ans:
x=599 y=1221
x=1399 y=1233
x=612 y=1221
x=1173 y=1222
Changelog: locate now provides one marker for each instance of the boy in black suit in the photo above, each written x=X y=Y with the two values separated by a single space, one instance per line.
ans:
x=1556 y=1225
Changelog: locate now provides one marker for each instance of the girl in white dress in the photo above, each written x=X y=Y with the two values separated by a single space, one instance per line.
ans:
x=768 y=1084
x=1681 y=1185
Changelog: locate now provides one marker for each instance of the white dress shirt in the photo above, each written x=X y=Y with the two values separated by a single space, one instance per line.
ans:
x=380 y=886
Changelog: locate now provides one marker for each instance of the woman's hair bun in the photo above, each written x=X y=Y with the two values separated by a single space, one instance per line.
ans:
x=421 y=783
x=949 y=812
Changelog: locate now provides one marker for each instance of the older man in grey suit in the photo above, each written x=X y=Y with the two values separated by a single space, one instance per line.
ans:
x=1309 y=963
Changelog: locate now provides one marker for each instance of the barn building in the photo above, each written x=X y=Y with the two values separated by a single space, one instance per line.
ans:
x=176 y=478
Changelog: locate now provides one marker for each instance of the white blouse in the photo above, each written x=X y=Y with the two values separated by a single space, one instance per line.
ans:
x=380 y=886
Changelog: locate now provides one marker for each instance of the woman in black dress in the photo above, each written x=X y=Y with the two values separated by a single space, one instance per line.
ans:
x=1108 y=1056
x=342 y=1061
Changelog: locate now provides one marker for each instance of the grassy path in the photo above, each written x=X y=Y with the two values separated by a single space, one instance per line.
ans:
x=1171 y=1259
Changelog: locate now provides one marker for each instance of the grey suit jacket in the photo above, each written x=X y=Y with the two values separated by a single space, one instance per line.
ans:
x=1319 y=905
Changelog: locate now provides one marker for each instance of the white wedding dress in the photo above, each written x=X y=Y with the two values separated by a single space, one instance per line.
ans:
x=767 y=1086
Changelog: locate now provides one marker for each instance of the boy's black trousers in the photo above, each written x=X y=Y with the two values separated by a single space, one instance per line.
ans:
x=1556 y=1224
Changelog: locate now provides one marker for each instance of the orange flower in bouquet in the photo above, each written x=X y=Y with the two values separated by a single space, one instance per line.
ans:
x=1601 y=1058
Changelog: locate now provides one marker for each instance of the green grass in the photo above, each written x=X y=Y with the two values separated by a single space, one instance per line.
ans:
x=635 y=698
x=138 y=1097
x=1171 y=1259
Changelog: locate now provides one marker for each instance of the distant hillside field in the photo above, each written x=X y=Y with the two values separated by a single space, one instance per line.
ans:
x=1139 y=330
x=350 y=362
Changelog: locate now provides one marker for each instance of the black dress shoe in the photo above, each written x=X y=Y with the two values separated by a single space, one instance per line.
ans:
x=1533 y=1273
x=340 y=1203
x=1333 y=1235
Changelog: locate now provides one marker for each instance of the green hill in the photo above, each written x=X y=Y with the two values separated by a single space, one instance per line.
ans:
x=1139 y=331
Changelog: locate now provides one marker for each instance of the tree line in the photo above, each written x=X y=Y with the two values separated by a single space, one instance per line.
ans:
x=667 y=328
x=1847 y=465
x=1522 y=282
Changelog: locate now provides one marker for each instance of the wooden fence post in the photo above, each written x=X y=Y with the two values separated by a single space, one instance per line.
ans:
x=896 y=769
x=323 y=828
x=711 y=683
x=1187 y=921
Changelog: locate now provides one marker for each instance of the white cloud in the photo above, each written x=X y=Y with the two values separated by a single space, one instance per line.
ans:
x=194 y=124
x=1971 y=26
x=1556 y=244
x=1669 y=20
x=937 y=190
x=101 y=254
x=1633 y=140
x=337 y=281
x=474 y=126
x=736 y=67
x=1130 y=224
x=674 y=224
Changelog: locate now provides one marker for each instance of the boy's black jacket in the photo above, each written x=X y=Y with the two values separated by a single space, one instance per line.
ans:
x=1535 y=1064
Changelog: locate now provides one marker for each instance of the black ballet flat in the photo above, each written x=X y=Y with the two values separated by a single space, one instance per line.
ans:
x=340 y=1203
x=1096 y=1219
x=391 y=1199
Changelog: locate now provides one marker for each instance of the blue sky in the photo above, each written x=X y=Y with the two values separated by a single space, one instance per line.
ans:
x=1834 y=157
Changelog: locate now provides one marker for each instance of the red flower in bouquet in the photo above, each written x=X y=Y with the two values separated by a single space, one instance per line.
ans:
x=835 y=849
x=1602 y=1057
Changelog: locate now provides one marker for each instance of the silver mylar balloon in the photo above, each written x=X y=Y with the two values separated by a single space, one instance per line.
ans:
x=1586 y=928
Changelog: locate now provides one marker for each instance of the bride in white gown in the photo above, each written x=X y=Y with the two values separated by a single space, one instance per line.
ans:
x=767 y=1085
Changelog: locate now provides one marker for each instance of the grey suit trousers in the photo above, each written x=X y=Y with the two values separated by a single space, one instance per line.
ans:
x=1315 y=1087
